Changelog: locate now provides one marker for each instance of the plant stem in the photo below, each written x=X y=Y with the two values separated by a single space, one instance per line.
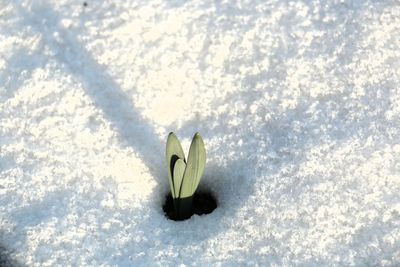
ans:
x=183 y=207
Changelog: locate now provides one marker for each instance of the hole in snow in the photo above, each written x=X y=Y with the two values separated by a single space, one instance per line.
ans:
x=203 y=203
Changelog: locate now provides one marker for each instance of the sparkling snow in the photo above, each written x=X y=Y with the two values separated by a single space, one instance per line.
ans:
x=298 y=103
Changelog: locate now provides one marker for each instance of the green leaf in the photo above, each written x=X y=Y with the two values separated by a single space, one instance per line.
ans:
x=174 y=152
x=179 y=170
x=194 y=168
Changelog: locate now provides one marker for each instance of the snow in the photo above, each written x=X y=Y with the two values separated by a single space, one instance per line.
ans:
x=298 y=103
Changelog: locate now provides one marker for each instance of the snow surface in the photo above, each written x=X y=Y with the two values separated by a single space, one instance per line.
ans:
x=298 y=103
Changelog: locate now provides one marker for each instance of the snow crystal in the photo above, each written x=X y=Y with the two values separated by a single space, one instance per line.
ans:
x=297 y=101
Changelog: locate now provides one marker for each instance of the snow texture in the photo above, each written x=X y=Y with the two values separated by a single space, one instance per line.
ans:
x=298 y=103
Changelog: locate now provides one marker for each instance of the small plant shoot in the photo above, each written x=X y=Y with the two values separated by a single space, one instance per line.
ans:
x=184 y=176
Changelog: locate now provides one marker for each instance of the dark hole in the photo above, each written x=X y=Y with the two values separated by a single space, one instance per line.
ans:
x=84 y=4
x=203 y=203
